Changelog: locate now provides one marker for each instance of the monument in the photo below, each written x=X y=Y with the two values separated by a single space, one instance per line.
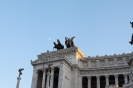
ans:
x=19 y=78
x=68 y=67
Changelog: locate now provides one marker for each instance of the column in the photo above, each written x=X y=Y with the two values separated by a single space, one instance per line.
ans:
x=80 y=81
x=89 y=81
x=52 y=77
x=125 y=78
x=107 y=80
x=60 y=79
x=43 y=79
x=98 y=81
x=34 y=79
x=18 y=82
x=48 y=76
x=116 y=80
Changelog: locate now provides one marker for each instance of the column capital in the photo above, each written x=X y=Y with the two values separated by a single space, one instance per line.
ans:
x=19 y=78
x=52 y=68
x=116 y=75
x=36 y=70
x=106 y=76
x=43 y=69
x=125 y=74
x=89 y=77
x=98 y=76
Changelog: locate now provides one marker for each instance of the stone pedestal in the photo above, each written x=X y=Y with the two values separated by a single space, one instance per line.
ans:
x=18 y=82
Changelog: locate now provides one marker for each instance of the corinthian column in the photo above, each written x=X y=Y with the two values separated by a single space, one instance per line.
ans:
x=43 y=80
x=52 y=77
x=98 y=81
x=125 y=78
x=48 y=76
x=60 y=79
x=19 y=78
x=107 y=80
x=34 y=79
x=89 y=81
x=116 y=79
x=80 y=81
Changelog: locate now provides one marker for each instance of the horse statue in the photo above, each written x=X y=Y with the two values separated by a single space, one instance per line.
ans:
x=69 y=42
x=59 y=45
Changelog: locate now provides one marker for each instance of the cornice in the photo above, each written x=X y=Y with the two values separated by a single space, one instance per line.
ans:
x=58 y=52
x=106 y=68
x=110 y=56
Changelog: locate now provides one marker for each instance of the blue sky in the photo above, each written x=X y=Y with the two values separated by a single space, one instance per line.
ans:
x=100 y=27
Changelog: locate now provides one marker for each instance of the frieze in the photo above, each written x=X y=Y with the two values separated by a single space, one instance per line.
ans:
x=121 y=61
x=102 y=72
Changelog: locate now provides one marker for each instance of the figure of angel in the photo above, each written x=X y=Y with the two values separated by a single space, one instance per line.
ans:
x=20 y=71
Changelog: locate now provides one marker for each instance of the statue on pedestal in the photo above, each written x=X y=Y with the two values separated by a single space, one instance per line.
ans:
x=48 y=75
x=49 y=67
x=19 y=78
x=20 y=71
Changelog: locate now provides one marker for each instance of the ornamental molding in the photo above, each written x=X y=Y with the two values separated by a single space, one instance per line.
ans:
x=105 y=72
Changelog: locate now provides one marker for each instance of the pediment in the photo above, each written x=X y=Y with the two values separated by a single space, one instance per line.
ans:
x=58 y=55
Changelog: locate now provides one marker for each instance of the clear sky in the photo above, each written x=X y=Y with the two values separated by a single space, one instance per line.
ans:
x=100 y=27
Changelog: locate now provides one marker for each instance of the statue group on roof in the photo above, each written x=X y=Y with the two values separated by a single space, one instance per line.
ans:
x=68 y=42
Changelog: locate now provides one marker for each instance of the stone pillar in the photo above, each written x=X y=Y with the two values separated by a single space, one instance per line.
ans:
x=48 y=76
x=116 y=80
x=125 y=78
x=34 y=79
x=89 y=81
x=18 y=82
x=107 y=80
x=52 y=77
x=80 y=81
x=43 y=79
x=61 y=77
x=98 y=81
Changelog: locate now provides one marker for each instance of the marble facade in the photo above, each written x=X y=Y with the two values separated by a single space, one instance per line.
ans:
x=72 y=69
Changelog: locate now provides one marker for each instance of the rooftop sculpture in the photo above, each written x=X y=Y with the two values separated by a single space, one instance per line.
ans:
x=68 y=42
x=59 y=45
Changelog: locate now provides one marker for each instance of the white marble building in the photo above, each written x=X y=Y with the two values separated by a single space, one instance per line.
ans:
x=72 y=69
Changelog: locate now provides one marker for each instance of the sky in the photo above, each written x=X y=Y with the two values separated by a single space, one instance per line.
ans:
x=100 y=27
